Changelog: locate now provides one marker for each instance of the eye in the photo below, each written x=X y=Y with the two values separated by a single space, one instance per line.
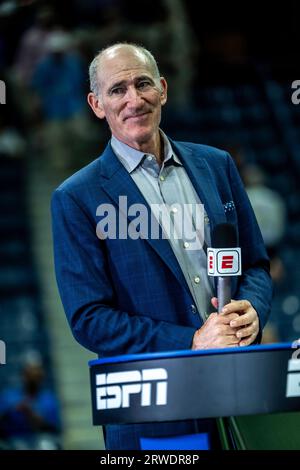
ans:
x=117 y=91
x=143 y=84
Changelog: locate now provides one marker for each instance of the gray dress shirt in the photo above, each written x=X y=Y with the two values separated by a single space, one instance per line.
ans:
x=168 y=185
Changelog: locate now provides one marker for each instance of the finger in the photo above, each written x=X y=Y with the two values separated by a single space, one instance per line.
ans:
x=245 y=319
x=227 y=341
x=249 y=340
x=227 y=330
x=232 y=339
x=236 y=306
x=226 y=319
x=247 y=331
x=214 y=302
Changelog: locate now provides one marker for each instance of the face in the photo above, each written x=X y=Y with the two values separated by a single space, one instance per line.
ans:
x=33 y=375
x=130 y=98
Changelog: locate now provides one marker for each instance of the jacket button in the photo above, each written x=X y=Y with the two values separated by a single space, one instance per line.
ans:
x=193 y=308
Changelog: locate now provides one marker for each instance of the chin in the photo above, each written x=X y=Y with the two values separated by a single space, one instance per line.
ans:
x=141 y=135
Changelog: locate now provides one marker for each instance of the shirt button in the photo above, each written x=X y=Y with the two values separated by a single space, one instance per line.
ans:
x=162 y=178
x=149 y=158
x=174 y=210
x=193 y=308
x=186 y=244
x=206 y=219
x=196 y=279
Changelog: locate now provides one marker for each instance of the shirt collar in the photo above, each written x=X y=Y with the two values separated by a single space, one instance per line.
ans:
x=132 y=158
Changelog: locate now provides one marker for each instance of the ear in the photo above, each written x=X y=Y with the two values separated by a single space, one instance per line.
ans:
x=164 y=89
x=96 y=105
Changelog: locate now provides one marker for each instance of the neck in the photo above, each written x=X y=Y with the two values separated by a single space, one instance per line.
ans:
x=155 y=146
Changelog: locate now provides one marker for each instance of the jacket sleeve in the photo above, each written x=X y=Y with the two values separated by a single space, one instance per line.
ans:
x=255 y=284
x=87 y=290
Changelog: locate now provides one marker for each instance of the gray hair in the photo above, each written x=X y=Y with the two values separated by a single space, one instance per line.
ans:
x=93 y=68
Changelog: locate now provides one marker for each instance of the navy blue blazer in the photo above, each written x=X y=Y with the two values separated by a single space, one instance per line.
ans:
x=125 y=296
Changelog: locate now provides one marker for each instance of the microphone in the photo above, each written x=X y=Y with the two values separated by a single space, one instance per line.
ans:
x=224 y=260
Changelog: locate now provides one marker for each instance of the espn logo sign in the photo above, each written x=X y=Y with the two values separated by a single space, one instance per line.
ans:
x=224 y=262
x=114 y=390
x=227 y=262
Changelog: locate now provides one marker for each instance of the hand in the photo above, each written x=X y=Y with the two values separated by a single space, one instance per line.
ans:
x=216 y=331
x=247 y=322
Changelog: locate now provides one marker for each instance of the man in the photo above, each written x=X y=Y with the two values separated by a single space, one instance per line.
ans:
x=130 y=294
x=29 y=414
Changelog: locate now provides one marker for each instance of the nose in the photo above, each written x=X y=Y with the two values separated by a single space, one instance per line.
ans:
x=134 y=98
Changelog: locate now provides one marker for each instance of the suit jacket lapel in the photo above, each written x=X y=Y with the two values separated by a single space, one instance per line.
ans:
x=203 y=182
x=116 y=181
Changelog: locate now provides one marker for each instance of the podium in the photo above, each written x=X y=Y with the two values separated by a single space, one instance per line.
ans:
x=247 y=387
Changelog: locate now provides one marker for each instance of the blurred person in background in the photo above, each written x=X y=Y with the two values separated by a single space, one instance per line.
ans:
x=59 y=84
x=271 y=214
x=123 y=295
x=268 y=205
x=30 y=50
x=29 y=415
x=32 y=47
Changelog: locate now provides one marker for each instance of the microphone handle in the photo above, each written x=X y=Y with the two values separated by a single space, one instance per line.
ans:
x=224 y=291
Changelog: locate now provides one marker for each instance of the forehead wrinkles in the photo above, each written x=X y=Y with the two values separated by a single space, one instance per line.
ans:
x=127 y=76
x=114 y=68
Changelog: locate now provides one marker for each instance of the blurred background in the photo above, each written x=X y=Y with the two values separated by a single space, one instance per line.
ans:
x=230 y=71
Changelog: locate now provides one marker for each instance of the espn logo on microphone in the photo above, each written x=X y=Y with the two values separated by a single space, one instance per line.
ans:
x=224 y=262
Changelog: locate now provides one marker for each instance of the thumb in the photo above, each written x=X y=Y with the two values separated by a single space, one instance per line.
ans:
x=214 y=302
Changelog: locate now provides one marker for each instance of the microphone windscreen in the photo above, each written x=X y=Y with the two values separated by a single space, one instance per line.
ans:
x=224 y=236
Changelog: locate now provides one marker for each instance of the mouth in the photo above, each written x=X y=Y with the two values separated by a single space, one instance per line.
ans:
x=136 y=117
